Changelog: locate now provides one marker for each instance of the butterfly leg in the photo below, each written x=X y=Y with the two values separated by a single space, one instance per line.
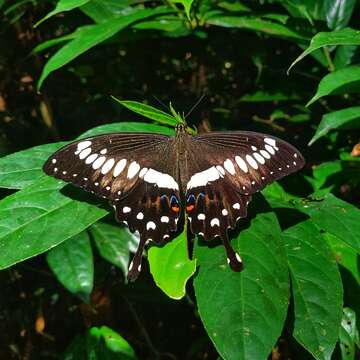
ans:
x=233 y=258
x=135 y=265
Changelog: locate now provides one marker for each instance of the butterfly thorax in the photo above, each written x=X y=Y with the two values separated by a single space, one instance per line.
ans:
x=181 y=146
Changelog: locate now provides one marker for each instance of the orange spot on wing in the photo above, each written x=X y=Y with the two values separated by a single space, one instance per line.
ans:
x=190 y=207
x=175 y=208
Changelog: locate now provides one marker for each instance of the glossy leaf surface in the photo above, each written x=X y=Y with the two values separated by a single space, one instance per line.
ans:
x=243 y=313
x=316 y=288
x=171 y=268
x=72 y=263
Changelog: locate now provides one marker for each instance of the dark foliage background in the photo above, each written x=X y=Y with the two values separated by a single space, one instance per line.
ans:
x=64 y=260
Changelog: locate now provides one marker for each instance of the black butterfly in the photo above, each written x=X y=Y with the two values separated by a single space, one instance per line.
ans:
x=150 y=179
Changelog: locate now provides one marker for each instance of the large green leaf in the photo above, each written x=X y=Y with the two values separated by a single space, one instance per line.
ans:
x=22 y=168
x=114 y=243
x=148 y=111
x=345 y=36
x=243 y=313
x=63 y=5
x=93 y=35
x=336 y=80
x=72 y=263
x=253 y=23
x=316 y=288
x=335 y=120
x=171 y=268
x=336 y=216
x=40 y=217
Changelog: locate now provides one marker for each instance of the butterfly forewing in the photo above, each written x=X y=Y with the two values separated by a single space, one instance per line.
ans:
x=249 y=160
x=106 y=165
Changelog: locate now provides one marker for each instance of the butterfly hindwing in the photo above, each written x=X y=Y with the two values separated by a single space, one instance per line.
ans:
x=213 y=210
x=151 y=211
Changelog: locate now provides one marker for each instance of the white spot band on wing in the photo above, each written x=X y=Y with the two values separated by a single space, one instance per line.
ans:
x=241 y=163
x=229 y=166
x=119 y=167
x=133 y=169
x=107 y=166
x=160 y=179
x=202 y=178
x=270 y=141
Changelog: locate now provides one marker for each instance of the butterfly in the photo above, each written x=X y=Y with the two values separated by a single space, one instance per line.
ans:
x=154 y=181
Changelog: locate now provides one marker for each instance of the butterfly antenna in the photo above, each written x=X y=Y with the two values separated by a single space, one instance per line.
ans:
x=195 y=105
x=161 y=103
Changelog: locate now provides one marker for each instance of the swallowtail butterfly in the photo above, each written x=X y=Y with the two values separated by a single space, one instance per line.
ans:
x=152 y=180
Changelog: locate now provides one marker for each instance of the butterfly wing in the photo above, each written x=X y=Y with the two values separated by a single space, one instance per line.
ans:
x=135 y=172
x=250 y=160
x=234 y=165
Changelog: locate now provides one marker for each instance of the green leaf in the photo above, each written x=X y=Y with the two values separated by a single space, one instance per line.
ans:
x=321 y=174
x=344 y=56
x=335 y=120
x=114 y=243
x=164 y=23
x=187 y=5
x=40 y=217
x=61 y=6
x=336 y=80
x=349 y=335
x=253 y=23
x=53 y=42
x=93 y=35
x=233 y=6
x=127 y=127
x=104 y=10
x=335 y=216
x=316 y=288
x=345 y=36
x=170 y=266
x=72 y=263
x=244 y=313
x=22 y=168
x=338 y=13
x=100 y=344
x=116 y=343
x=277 y=196
x=344 y=254
x=148 y=111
